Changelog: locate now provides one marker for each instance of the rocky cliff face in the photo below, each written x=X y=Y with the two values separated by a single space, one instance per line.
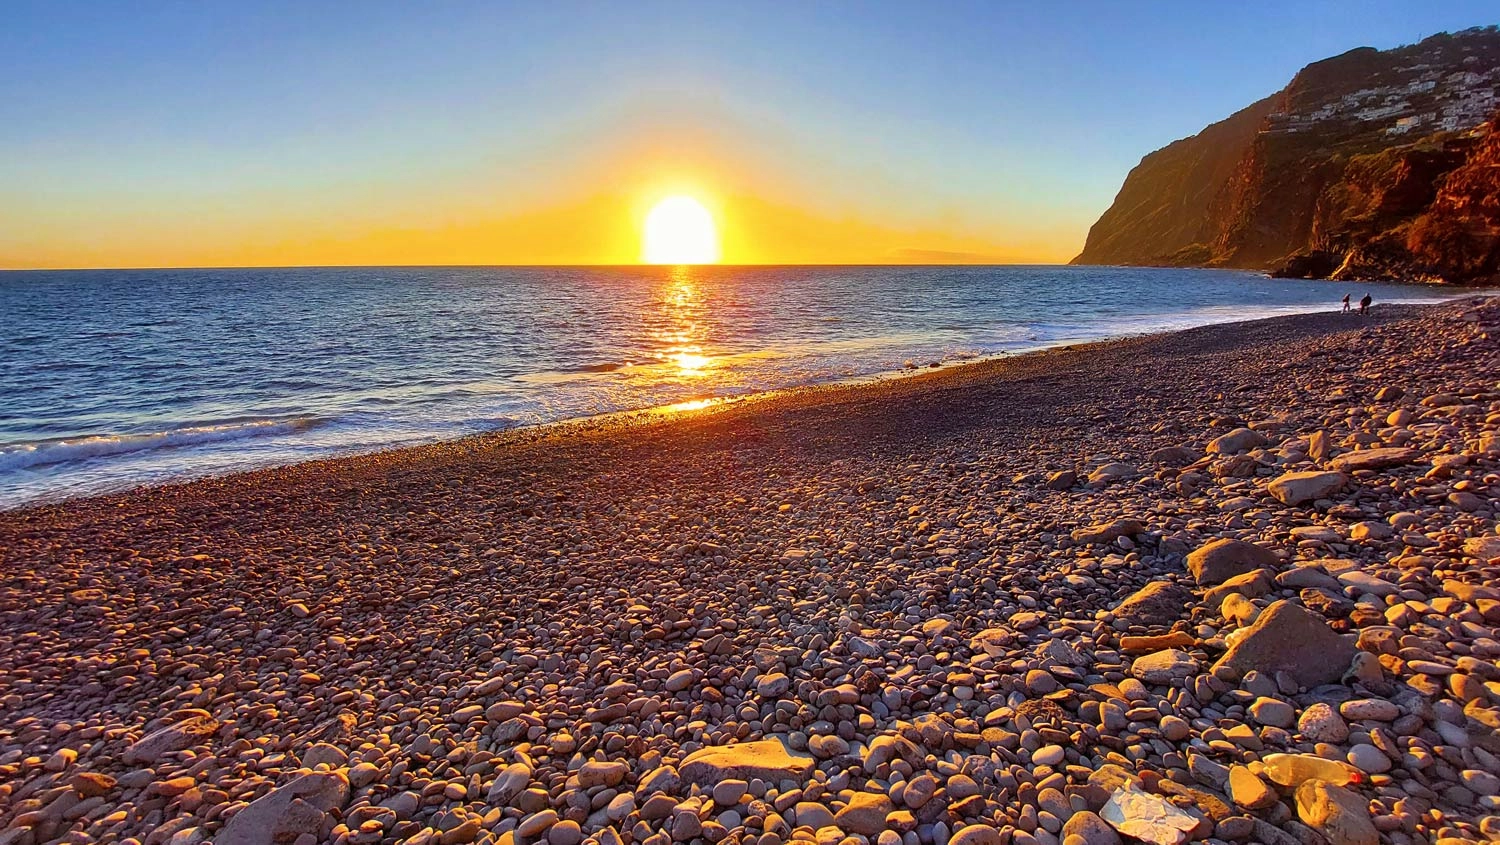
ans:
x=1454 y=235
x=1148 y=224
x=1354 y=147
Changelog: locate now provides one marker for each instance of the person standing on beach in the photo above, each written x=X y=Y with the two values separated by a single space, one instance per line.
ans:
x=1364 y=305
x=1346 y=303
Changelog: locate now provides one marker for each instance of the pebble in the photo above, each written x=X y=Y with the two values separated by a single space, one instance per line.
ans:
x=1369 y=759
x=1249 y=791
x=1370 y=708
x=538 y=822
x=1274 y=712
x=1163 y=667
x=1048 y=755
x=566 y=832
x=1319 y=722
x=728 y=792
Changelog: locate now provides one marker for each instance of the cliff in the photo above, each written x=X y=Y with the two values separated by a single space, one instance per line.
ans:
x=1318 y=178
x=1147 y=224
x=1435 y=216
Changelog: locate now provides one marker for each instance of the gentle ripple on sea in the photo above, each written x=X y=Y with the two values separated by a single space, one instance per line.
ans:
x=117 y=378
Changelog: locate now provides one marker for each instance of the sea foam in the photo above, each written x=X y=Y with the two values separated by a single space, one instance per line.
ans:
x=45 y=452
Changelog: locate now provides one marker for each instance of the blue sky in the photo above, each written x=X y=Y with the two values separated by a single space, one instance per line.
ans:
x=1001 y=123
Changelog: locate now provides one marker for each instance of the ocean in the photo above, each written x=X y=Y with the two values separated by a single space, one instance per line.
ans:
x=112 y=379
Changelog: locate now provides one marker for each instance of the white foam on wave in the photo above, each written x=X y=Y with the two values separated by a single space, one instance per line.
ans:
x=1047 y=335
x=40 y=453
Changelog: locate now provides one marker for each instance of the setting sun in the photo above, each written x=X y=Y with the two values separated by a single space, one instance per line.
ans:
x=679 y=230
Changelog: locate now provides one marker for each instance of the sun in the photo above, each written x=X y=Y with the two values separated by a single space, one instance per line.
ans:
x=679 y=230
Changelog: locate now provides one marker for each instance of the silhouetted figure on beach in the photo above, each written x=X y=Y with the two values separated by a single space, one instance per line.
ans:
x=1346 y=303
x=1364 y=305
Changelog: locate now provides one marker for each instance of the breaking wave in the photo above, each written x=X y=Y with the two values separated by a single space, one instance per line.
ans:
x=64 y=450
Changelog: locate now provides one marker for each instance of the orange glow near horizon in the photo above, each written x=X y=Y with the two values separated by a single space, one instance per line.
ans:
x=584 y=210
x=577 y=195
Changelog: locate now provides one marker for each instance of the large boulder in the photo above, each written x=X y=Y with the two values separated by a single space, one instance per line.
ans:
x=1318 y=445
x=1249 y=791
x=1469 y=592
x=1341 y=816
x=864 y=814
x=1483 y=548
x=1173 y=456
x=992 y=641
x=1237 y=441
x=1110 y=473
x=1149 y=818
x=1059 y=651
x=1108 y=532
x=1062 y=480
x=1250 y=585
x=976 y=834
x=1305 y=575
x=511 y=782
x=324 y=754
x=194 y=728
x=767 y=759
x=1156 y=605
x=1164 y=667
x=1374 y=459
x=284 y=814
x=1294 y=488
x=1225 y=558
x=1090 y=828
x=1290 y=638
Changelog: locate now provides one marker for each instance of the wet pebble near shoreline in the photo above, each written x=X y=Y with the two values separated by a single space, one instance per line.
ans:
x=1277 y=624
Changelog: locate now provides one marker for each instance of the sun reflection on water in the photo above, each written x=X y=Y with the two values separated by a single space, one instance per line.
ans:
x=691 y=363
x=680 y=329
x=692 y=405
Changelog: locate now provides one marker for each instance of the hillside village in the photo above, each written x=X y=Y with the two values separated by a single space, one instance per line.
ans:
x=1431 y=94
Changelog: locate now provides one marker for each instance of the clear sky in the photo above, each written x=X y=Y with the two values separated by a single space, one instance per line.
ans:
x=218 y=133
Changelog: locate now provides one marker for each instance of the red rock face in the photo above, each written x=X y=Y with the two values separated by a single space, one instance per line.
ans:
x=1320 y=179
x=1459 y=237
x=1270 y=207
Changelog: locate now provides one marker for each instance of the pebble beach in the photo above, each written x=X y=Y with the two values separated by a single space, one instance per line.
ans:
x=1232 y=584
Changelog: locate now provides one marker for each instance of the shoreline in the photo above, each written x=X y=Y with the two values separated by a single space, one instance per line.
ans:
x=973 y=606
x=652 y=413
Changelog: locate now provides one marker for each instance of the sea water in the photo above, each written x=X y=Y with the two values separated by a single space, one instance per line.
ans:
x=111 y=379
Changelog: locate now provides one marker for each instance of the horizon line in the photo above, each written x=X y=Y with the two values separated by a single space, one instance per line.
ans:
x=526 y=265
